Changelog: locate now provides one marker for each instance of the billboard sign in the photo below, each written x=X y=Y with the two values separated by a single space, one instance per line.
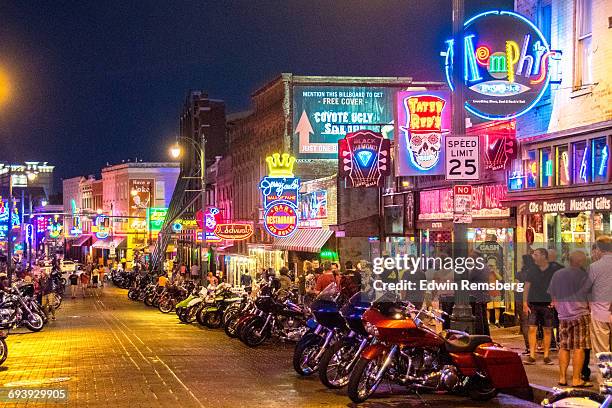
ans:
x=141 y=198
x=364 y=158
x=423 y=120
x=322 y=115
x=508 y=65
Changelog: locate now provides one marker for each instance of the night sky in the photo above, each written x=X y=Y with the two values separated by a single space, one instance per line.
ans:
x=101 y=81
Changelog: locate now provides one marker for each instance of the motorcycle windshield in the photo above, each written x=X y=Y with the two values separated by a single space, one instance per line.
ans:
x=330 y=293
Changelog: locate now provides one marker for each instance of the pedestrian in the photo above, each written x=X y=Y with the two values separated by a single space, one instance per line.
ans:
x=84 y=283
x=350 y=281
x=162 y=280
x=95 y=279
x=521 y=313
x=74 y=281
x=326 y=278
x=552 y=259
x=212 y=279
x=599 y=286
x=495 y=302
x=195 y=272
x=537 y=303
x=480 y=274
x=566 y=290
x=586 y=370
x=48 y=296
x=285 y=280
x=245 y=279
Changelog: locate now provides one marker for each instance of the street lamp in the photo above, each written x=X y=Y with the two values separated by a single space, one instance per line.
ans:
x=200 y=148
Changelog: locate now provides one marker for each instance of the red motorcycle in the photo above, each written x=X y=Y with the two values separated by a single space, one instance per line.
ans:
x=410 y=353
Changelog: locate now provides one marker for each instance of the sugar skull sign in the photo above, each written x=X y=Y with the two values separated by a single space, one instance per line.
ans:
x=423 y=118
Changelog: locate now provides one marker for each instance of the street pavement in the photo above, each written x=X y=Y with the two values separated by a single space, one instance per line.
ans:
x=108 y=351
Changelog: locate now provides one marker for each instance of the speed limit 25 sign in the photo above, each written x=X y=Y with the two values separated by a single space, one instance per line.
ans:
x=462 y=158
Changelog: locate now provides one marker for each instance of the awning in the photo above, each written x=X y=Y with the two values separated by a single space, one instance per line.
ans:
x=106 y=243
x=83 y=240
x=305 y=240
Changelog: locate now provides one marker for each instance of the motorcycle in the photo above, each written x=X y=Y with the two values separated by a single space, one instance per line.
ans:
x=563 y=398
x=233 y=319
x=340 y=358
x=410 y=353
x=211 y=314
x=172 y=295
x=26 y=291
x=275 y=318
x=15 y=312
x=330 y=328
x=187 y=309
x=3 y=346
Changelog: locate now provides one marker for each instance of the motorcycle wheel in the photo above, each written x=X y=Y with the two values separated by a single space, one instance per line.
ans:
x=482 y=390
x=362 y=382
x=212 y=320
x=191 y=314
x=34 y=323
x=165 y=305
x=3 y=350
x=132 y=294
x=229 y=313
x=230 y=326
x=57 y=302
x=305 y=351
x=249 y=333
x=333 y=372
x=201 y=316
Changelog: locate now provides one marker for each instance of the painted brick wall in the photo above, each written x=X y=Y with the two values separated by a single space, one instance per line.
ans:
x=573 y=108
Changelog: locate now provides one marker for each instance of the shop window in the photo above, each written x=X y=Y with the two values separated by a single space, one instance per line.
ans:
x=562 y=165
x=581 y=162
x=583 y=70
x=601 y=224
x=546 y=167
x=531 y=169
x=600 y=155
x=516 y=178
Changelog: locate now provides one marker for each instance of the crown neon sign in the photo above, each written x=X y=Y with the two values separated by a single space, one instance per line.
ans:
x=280 y=192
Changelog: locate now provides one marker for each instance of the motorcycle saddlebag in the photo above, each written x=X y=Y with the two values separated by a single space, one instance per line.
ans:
x=503 y=367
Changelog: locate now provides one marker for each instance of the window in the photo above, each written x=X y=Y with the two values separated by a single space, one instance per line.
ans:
x=600 y=154
x=562 y=165
x=546 y=167
x=583 y=70
x=581 y=160
x=544 y=18
x=531 y=169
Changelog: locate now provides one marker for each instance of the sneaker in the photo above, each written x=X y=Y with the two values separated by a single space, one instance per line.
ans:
x=498 y=325
x=548 y=361
x=529 y=361
x=525 y=353
x=554 y=348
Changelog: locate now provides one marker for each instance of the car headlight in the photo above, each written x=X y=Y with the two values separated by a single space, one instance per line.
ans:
x=371 y=329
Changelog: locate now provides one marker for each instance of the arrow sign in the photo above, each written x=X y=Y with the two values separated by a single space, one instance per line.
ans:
x=303 y=130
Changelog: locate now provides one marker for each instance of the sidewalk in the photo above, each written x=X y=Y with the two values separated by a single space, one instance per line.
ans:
x=541 y=377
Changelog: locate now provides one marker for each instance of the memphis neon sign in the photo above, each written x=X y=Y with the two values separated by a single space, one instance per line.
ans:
x=508 y=64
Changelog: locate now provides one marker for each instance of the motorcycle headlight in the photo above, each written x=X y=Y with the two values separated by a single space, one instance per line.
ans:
x=371 y=329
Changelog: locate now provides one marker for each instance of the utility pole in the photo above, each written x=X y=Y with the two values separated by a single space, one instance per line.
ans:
x=462 y=318
x=203 y=202
x=10 y=226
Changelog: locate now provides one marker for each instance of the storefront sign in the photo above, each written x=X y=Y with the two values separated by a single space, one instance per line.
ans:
x=212 y=219
x=508 y=65
x=486 y=203
x=280 y=220
x=423 y=120
x=462 y=208
x=313 y=207
x=570 y=205
x=55 y=227
x=156 y=217
x=324 y=114
x=364 y=158
x=500 y=147
x=234 y=232
x=462 y=158
x=4 y=217
x=76 y=229
x=100 y=227
x=280 y=190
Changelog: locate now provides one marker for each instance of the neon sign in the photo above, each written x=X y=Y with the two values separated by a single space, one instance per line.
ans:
x=55 y=228
x=604 y=161
x=76 y=220
x=364 y=158
x=280 y=191
x=234 y=232
x=211 y=218
x=423 y=118
x=508 y=64
x=99 y=227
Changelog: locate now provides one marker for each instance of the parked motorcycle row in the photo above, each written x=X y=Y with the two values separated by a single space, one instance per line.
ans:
x=20 y=308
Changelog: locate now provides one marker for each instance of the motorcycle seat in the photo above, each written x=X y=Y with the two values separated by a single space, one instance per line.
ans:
x=460 y=342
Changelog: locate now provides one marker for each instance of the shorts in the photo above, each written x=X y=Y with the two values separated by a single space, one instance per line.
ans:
x=541 y=315
x=575 y=334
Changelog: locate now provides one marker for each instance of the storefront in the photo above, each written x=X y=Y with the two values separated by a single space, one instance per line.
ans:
x=265 y=257
x=492 y=230
x=308 y=244
x=238 y=265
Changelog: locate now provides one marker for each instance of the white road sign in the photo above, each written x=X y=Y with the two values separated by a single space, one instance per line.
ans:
x=462 y=158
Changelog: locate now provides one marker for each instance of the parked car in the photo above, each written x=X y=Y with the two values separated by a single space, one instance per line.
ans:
x=68 y=266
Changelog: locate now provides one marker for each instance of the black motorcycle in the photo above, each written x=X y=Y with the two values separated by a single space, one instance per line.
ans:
x=15 y=312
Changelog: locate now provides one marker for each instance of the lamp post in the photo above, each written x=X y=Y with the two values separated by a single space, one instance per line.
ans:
x=200 y=148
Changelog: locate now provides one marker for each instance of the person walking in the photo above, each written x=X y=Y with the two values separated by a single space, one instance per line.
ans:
x=522 y=314
x=537 y=303
x=48 y=296
x=569 y=299
x=599 y=286
x=84 y=283
x=74 y=282
x=326 y=278
x=95 y=280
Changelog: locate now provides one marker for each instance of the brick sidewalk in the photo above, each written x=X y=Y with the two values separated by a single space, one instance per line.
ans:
x=110 y=352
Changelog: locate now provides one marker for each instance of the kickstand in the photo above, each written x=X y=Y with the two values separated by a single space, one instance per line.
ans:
x=425 y=403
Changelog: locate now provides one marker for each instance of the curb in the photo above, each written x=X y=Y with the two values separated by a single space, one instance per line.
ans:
x=540 y=392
